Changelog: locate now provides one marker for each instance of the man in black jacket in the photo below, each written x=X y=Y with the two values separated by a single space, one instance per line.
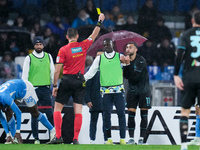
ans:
x=138 y=91
x=94 y=101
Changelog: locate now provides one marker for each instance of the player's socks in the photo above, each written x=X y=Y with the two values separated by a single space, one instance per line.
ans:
x=197 y=127
x=131 y=123
x=11 y=125
x=4 y=122
x=183 y=128
x=7 y=134
x=57 y=123
x=34 y=127
x=18 y=114
x=108 y=133
x=49 y=114
x=144 y=121
x=77 y=125
x=184 y=146
x=44 y=121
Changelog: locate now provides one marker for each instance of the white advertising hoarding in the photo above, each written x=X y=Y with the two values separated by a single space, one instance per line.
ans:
x=163 y=127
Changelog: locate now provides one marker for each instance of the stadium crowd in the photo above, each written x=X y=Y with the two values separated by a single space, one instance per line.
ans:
x=21 y=21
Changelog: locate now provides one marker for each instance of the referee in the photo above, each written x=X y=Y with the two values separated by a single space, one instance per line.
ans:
x=72 y=58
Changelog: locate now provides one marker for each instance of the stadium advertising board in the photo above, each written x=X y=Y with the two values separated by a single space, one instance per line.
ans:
x=163 y=127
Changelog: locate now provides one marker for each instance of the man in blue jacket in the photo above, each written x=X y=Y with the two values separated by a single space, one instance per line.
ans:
x=94 y=102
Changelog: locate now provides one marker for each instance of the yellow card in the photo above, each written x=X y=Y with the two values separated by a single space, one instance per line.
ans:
x=98 y=11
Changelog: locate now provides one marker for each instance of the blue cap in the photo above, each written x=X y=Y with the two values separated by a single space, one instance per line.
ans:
x=38 y=39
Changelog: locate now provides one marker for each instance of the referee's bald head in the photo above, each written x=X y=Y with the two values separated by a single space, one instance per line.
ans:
x=72 y=33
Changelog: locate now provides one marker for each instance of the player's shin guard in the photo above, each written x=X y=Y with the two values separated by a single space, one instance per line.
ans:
x=131 y=123
x=143 y=123
x=197 y=127
x=11 y=125
x=77 y=125
x=183 y=128
x=44 y=121
x=57 y=123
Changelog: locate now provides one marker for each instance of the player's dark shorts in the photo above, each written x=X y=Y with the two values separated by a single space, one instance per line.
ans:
x=143 y=100
x=188 y=95
x=71 y=85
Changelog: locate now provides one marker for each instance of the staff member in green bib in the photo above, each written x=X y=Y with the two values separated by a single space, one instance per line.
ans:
x=39 y=70
x=112 y=89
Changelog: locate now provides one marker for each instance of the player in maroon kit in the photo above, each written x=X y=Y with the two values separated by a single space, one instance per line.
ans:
x=72 y=57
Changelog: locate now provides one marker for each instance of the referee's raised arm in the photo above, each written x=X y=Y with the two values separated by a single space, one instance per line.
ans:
x=72 y=57
x=98 y=27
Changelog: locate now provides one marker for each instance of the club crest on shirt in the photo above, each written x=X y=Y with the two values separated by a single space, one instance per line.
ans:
x=195 y=63
x=76 y=50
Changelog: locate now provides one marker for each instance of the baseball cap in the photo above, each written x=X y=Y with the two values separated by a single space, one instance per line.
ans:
x=38 y=39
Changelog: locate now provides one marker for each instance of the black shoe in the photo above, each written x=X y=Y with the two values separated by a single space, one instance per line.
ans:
x=75 y=141
x=55 y=140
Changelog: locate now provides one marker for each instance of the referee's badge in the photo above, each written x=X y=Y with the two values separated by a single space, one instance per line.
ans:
x=57 y=59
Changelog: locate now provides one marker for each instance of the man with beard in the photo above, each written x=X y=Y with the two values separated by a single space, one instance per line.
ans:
x=138 y=91
x=39 y=70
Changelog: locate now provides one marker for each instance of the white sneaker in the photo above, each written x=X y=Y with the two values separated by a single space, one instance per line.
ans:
x=52 y=133
x=92 y=142
x=131 y=142
x=9 y=140
x=195 y=141
x=140 y=141
x=184 y=146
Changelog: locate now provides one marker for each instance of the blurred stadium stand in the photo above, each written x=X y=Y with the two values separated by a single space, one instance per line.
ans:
x=173 y=12
x=19 y=60
x=165 y=5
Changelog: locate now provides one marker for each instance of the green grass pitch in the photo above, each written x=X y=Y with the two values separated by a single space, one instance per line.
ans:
x=91 y=147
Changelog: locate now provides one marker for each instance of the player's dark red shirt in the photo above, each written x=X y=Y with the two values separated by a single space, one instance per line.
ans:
x=73 y=56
